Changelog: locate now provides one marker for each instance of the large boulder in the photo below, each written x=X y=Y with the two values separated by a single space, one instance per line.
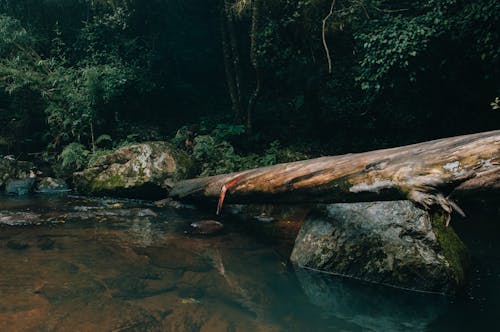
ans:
x=145 y=170
x=393 y=243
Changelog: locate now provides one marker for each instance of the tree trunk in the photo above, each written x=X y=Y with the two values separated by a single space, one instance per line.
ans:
x=425 y=173
x=232 y=54
x=254 y=59
x=229 y=68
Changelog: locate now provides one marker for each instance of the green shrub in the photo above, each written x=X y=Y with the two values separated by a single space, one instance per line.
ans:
x=104 y=141
x=74 y=157
x=217 y=157
x=97 y=156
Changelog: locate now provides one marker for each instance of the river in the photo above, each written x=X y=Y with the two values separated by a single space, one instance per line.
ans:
x=72 y=263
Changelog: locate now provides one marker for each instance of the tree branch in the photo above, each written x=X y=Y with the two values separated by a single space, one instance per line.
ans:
x=325 y=44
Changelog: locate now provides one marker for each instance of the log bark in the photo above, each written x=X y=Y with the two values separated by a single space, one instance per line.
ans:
x=425 y=173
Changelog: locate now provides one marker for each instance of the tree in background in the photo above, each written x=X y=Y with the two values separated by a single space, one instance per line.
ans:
x=107 y=69
x=410 y=69
x=73 y=93
x=344 y=75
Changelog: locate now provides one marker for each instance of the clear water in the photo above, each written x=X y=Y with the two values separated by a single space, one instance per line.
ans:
x=107 y=265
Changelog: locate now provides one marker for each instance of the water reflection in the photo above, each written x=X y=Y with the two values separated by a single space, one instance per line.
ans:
x=113 y=265
x=142 y=230
x=372 y=307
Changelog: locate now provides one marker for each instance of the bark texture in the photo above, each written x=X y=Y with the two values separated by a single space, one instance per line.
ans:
x=425 y=173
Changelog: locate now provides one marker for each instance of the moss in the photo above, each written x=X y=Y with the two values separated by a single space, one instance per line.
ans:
x=186 y=167
x=454 y=250
x=45 y=182
x=100 y=179
x=112 y=182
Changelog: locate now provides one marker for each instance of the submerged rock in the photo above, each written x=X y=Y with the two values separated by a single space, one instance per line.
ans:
x=90 y=213
x=52 y=186
x=393 y=243
x=205 y=227
x=169 y=202
x=146 y=170
x=19 y=218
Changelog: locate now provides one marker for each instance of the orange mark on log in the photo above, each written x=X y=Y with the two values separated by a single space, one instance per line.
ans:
x=224 y=189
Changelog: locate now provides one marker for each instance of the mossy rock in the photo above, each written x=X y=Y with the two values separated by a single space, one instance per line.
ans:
x=13 y=170
x=393 y=243
x=453 y=249
x=50 y=185
x=145 y=170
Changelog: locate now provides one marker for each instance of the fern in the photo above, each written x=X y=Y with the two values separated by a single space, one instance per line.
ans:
x=74 y=157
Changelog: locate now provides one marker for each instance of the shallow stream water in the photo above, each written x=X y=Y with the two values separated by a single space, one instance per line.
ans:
x=78 y=264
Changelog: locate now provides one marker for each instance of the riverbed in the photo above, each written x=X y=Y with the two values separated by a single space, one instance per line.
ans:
x=72 y=263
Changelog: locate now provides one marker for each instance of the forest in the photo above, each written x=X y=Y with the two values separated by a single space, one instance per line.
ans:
x=244 y=83
x=249 y=165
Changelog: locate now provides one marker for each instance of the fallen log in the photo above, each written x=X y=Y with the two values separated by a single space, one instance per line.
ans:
x=425 y=173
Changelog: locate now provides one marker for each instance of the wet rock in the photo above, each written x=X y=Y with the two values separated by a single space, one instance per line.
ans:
x=19 y=187
x=146 y=170
x=205 y=227
x=52 y=186
x=11 y=169
x=264 y=218
x=19 y=218
x=169 y=202
x=393 y=243
x=131 y=213
x=101 y=214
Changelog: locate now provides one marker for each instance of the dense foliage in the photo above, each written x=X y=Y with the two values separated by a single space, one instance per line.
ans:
x=93 y=74
x=402 y=70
